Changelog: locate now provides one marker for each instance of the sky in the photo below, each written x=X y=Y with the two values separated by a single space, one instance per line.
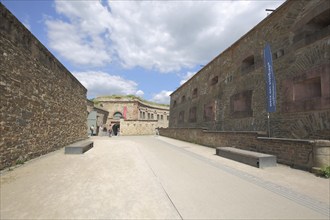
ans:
x=144 y=48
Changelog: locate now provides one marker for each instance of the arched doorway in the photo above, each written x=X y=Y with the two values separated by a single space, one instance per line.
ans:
x=116 y=129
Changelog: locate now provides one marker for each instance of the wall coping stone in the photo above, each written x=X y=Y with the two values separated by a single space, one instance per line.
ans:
x=237 y=132
x=287 y=139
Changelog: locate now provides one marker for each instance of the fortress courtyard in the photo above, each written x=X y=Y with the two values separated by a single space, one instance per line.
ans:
x=154 y=177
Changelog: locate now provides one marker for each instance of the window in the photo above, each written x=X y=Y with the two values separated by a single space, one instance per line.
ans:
x=278 y=54
x=240 y=104
x=148 y=115
x=247 y=64
x=167 y=118
x=117 y=116
x=144 y=115
x=161 y=117
x=307 y=89
x=312 y=28
x=174 y=103
x=193 y=114
x=214 y=80
x=181 y=117
x=183 y=99
x=195 y=93
x=152 y=116
x=141 y=115
x=157 y=117
x=208 y=112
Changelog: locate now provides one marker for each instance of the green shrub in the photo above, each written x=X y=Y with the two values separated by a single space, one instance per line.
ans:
x=325 y=172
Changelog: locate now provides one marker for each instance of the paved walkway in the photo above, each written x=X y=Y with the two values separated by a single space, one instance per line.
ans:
x=147 y=177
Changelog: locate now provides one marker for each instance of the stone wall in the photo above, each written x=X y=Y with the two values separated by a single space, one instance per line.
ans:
x=228 y=94
x=297 y=153
x=43 y=107
x=138 y=127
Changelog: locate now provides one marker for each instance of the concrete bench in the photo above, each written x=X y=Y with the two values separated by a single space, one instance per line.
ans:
x=255 y=159
x=79 y=147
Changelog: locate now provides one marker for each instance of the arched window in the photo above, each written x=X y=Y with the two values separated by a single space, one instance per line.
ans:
x=117 y=115
x=195 y=93
x=183 y=99
x=214 y=80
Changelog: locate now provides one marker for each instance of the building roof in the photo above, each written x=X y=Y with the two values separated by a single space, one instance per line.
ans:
x=129 y=98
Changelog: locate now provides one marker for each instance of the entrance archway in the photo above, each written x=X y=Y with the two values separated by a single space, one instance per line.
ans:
x=116 y=129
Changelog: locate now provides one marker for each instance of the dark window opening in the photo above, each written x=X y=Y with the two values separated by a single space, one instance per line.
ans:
x=193 y=114
x=181 y=117
x=320 y=21
x=183 y=99
x=214 y=80
x=247 y=64
x=278 y=54
x=174 y=104
x=315 y=29
x=195 y=93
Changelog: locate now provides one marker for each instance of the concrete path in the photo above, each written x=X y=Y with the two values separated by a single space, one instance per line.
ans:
x=150 y=177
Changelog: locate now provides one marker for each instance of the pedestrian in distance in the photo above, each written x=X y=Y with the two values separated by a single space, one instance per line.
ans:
x=92 y=130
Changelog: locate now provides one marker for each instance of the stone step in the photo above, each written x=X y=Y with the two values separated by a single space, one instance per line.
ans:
x=255 y=159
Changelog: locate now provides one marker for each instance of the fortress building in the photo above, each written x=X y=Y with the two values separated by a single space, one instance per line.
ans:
x=229 y=93
x=225 y=104
x=132 y=115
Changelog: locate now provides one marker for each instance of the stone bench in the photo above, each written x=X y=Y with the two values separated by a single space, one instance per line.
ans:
x=79 y=147
x=255 y=159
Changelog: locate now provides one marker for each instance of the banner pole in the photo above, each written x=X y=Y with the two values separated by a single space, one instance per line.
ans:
x=268 y=124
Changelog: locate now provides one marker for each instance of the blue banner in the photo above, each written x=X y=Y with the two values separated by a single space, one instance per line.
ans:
x=270 y=80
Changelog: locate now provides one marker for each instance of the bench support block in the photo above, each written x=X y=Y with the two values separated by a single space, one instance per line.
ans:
x=255 y=159
x=79 y=147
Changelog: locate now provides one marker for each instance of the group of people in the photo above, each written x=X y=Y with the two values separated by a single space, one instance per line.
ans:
x=113 y=130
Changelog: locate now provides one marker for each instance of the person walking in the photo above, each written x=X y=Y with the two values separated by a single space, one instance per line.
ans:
x=110 y=130
x=92 y=130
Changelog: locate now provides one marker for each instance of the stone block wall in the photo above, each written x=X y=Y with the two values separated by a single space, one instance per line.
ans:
x=138 y=127
x=42 y=105
x=297 y=153
x=228 y=94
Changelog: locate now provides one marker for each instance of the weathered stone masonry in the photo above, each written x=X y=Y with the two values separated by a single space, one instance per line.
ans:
x=297 y=153
x=43 y=107
x=228 y=94
x=226 y=99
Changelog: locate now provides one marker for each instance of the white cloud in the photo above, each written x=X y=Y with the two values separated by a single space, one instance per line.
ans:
x=162 y=97
x=162 y=35
x=82 y=39
x=101 y=83
x=186 y=77
x=139 y=93
x=170 y=35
